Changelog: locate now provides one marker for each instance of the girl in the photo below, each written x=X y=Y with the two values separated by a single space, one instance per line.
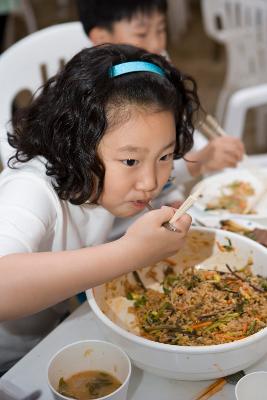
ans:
x=97 y=142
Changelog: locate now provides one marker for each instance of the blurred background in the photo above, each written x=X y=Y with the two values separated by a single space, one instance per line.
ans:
x=190 y=48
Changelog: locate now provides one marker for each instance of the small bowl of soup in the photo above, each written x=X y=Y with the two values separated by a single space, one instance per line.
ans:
x=89 y=369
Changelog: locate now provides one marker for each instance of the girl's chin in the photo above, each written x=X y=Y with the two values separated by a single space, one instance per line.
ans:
x=124 y=212
x=127 y=209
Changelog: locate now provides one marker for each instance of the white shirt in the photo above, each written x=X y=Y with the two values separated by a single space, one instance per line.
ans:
x=33 y=219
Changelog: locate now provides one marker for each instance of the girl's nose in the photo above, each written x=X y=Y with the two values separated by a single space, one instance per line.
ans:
x=147 y=181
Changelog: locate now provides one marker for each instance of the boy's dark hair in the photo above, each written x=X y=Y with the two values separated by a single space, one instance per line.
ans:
x=67 y=120
x=103 y=13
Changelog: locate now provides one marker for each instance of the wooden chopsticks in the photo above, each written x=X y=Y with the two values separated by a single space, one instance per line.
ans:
x=211 y=389
x=218 y=385
x=210 y=127
x=186 y=204
x=184 y=207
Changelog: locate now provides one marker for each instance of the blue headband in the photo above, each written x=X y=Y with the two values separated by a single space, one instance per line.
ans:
x=135 y=66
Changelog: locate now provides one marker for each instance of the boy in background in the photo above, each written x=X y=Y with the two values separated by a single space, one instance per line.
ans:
x=141 y=23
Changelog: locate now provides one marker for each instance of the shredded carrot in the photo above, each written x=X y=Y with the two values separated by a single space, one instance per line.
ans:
x=220 y=246
x=237 y=337
x=245 y=327
x=201 y=325
x=223 y=335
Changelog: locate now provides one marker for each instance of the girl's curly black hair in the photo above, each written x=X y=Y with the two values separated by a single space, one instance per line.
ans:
x=68 y=119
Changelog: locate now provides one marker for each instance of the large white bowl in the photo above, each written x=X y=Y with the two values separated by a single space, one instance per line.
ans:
x=193 y=362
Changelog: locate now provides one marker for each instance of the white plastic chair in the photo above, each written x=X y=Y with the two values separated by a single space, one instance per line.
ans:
x=238 y=105
x=22 y=66
x=240 y=25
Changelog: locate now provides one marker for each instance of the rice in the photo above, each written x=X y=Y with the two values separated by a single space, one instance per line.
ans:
x=200 y=307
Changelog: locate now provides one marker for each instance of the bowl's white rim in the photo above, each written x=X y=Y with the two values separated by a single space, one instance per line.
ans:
x=189 y=350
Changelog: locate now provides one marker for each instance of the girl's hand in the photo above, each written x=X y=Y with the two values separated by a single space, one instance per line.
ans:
x=149 y=242
x=175 y=204
x=222 y=152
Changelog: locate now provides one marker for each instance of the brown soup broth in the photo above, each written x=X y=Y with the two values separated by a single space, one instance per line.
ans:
x=88 y=385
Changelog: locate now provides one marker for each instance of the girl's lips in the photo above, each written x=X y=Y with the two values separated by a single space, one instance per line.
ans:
x=140 y=204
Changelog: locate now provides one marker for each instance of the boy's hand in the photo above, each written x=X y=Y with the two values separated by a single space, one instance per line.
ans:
x=222 y=152
x=149 y=242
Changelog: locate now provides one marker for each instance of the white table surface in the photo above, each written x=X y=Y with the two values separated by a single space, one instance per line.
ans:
x=30 y=373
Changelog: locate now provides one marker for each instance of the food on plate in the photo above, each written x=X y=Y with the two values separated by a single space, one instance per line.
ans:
x=257 y=234
x=233 y=226
x=233 y=198
x=88 y=385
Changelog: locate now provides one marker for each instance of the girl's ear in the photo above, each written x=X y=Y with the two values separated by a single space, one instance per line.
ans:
x=100 y=35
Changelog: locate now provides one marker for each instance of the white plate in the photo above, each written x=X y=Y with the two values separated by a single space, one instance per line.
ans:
x=213 y=185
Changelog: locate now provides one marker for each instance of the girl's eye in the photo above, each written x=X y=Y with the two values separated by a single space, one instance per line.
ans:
x=130 y=162
x=167 y=157
x=141 y=35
